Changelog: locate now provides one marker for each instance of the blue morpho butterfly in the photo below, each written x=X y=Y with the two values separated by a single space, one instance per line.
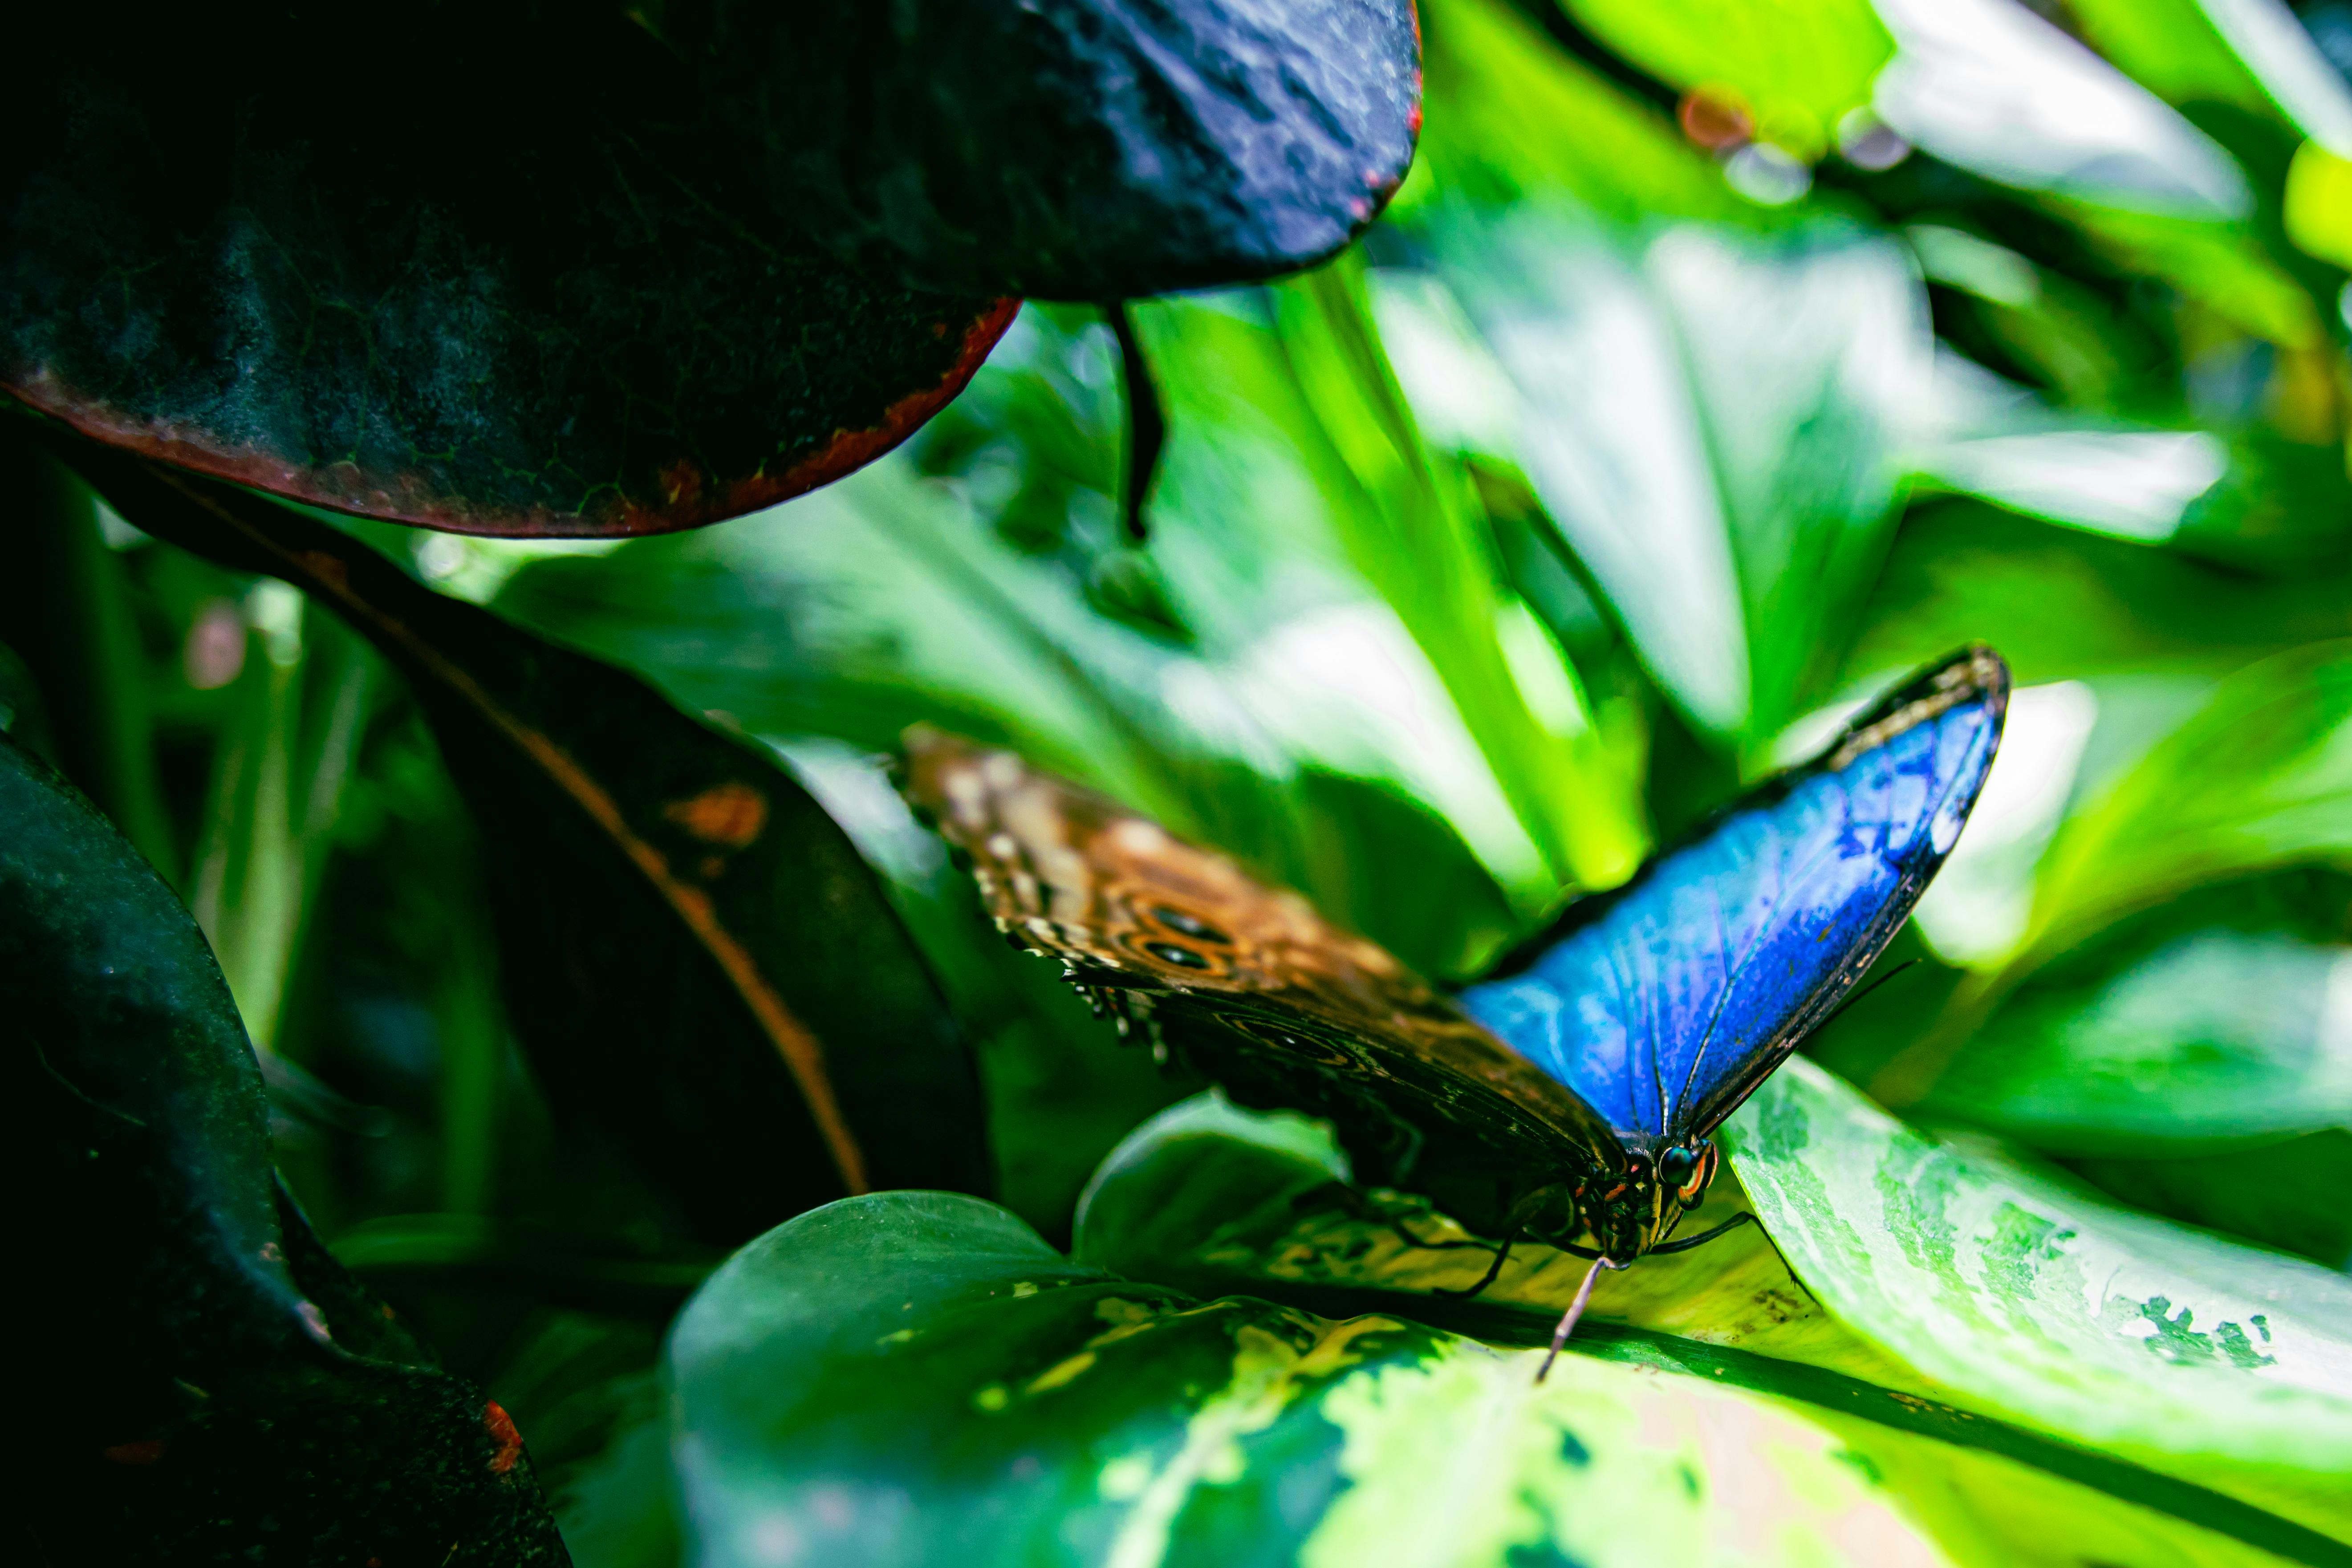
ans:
x=1568 y=1096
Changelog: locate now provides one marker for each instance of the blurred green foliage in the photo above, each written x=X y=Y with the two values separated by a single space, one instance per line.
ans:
x=1719 y=364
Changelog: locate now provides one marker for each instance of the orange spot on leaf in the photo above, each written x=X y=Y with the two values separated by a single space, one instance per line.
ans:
x=731 y=815
x=146 y=1451
x=508 y=1441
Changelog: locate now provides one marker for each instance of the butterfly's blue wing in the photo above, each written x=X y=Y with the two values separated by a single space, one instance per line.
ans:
x=1664 y=1004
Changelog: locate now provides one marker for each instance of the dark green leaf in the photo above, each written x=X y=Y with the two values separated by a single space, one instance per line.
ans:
x=210 y=1386
x=498 y=279
x=696 y=959
x=2289 y=1194
x=1078 y=150
x=2063 y=606
x=2224 y=1016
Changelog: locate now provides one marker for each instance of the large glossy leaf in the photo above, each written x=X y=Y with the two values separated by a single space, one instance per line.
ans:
x=500 y=280
x=210 y=1384
x=1028 y=1409
x=2034 y=1301
x=895 y=1379
x=1078 y=150
x=1219 y=1199
x=696 y=959
x=1214 y=1198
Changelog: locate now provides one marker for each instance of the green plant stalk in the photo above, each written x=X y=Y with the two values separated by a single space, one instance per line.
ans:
x=1414 y=541
x=245 y=884
x=69 y=615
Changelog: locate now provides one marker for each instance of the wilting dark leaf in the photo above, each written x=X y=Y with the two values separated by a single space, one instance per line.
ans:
x=695 y=960
x=497 y=280
x=1074 y=148
x=209 y=1383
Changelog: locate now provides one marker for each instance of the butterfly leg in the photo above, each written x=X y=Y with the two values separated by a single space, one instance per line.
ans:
x=1515 y=1224
x=1493 y=1270
x=1743 y=1217
x=1396 y=1223
x=1575 y=1310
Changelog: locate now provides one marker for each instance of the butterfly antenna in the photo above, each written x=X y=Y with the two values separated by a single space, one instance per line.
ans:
x=1575 y=1310
x=1494 y=1271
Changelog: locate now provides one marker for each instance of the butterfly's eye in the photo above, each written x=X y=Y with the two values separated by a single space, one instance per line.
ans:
x=1692 y=1187
x=1189 y=925
x=1677 y=1166
x=1181 y=957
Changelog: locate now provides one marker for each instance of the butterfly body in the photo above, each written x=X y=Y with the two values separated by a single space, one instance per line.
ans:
x=1569 y=1097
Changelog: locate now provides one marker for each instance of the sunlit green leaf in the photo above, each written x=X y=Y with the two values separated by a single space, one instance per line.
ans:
x=2261 y=776
x=2213 y=1362
x=1795 y=69
x=1730 y=485
x=1509 y=115
x=1993 y=88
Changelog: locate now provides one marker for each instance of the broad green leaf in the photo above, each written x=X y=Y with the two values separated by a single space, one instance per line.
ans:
x=2215 y=1363
x=696 y=958
x=895 y=1378
x=1799 y=68
x=1030 y=1410
x=208 y=1377
x=2260 y=777
x=1729 y=482
x=2063 y=605
x=502 y=277
x=2285 y=1195
x=2224 y=1016
x=2318 y=210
